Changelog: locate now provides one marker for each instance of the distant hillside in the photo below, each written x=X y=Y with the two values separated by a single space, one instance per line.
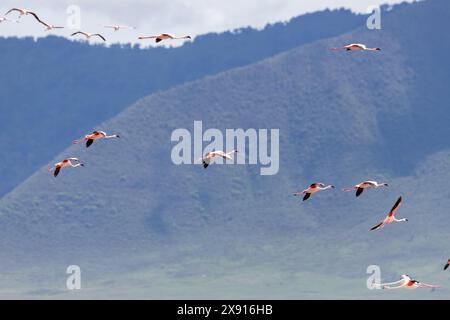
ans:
x=54 y=90
x=143 y=227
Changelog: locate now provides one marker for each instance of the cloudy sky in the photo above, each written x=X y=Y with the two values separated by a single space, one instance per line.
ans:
x=181 y=17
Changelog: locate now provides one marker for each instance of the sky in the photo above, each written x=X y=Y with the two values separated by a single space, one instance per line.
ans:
x=180 y=17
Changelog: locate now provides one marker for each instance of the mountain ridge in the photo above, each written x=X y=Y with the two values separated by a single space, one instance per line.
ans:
x=95 y=83
x=342 y=118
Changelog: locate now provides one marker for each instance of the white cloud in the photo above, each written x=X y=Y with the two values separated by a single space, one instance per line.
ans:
x=182 y=17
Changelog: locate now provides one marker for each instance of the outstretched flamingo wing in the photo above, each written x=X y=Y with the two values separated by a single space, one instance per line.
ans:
x=13 y=9
x=378 y=226
x=79 y=32
x=37 y=18
x=99 y=35
x=425 y=285
x=56 y=172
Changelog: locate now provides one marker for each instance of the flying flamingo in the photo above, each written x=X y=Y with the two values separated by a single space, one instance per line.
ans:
x=315 y=187
x=447 y=265
x=89 y=35
x=22 y=12
x=391 y=216
x=365 y=185
x=210 y=156
x=356 y=47
x=69 y=162
x=96 y=135
x=117 y=27
x=164 y=36
x=407 y=283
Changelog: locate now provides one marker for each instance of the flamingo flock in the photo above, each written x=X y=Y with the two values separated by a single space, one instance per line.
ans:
x=405 y=282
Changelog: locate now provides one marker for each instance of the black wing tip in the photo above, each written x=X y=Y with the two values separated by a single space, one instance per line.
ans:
x=446 y=266
x=376 y=227
x=56 y=172
x=89 y=143
x=205 y=165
